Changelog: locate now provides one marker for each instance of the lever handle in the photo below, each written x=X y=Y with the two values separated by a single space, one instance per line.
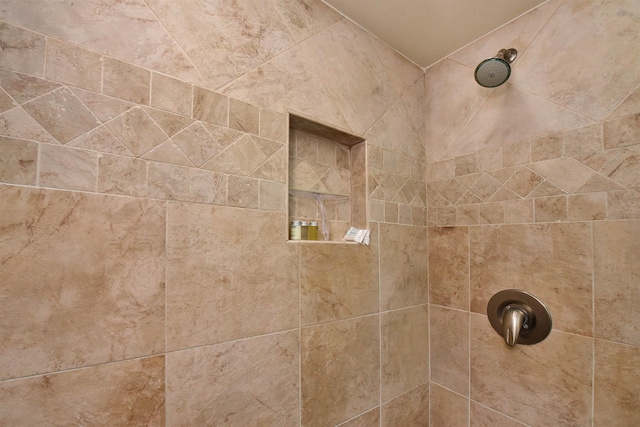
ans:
x=512 y=322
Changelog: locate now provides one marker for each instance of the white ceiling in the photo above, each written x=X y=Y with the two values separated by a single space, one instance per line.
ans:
x=426 y=31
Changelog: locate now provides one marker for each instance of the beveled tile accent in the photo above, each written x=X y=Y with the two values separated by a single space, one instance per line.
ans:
x=18 y=163
x=340 y=370
x=62 y=114
x=22 y=50
x=338 y=282
x=125 y=81
x=73 y=65
x=559 y=391
x=247 y=382
x=168 y=181
x=244 y=117
x=616 y=275
x=409 y=409
x=210 y=106
x=481 y=416
x=405 y=350
x=552 y=261
x=137 y=131
x=124 y=393
x=587 y=207
x=68 y=168
x=403 y=266
x=447 y=409
x=83 y=316
x=213 y=287
x=22 y=87
x=616 y=389
x=368 y=419
x=122 y=175
x=208 y=187
x=171 y=94
x=550 y=209
x=449 y=267
x=449 y=350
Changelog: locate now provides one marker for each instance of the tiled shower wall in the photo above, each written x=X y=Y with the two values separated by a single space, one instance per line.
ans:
x=144 y=270
x=535 y=185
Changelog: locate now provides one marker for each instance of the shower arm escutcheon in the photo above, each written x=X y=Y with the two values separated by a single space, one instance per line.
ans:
x=519 y=317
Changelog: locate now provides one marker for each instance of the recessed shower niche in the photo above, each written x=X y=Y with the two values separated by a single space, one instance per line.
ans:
x=326 y=178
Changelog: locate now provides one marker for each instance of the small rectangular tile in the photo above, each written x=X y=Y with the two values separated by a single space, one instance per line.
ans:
x=22 y=50
x=168 y=181
x=126 y=81
x=171 y=94
x=210 y=106
x=68 y=168
x=587 y=207
x=18 y=163
x=74 y=66
x=244 y=117
x=550 y=209
x=122 y=175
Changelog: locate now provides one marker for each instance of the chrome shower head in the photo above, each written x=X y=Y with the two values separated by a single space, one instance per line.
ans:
x=495 y=71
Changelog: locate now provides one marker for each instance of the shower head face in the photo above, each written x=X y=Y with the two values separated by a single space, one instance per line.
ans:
x=492 y=72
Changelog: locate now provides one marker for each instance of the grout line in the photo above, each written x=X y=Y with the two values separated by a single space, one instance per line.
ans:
x=593 y=322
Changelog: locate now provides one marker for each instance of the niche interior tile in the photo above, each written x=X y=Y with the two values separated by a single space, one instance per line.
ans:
x=448 y=408
x=403 y=267
x=18 y=163
x=68 y=168
x=449 y=267
x=122 y=175
x=126 y=81
x=137 y=131
x=405 y=350
x=247 y=382
x=83 y=316
x=171 y=94
x=259 y=268
x=210 y=106
x=22 y=50
x=559 y=390
x=616 y=275
x=62 y=114
x=340 y=370
x=337 y=282
x=124 y=393
x=449 y=349
x=552 y=261
x=409 y=409
x=73 y=65
x=616 y=389
x=481 y=416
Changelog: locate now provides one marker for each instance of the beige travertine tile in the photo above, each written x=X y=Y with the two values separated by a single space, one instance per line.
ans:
x=17 y=123
x=405 y=350
x=79 y=315
x=210 y=106
x=467 y=215
x=22 y=50
x=547 y=148
x=18 y=163
x=124 y=393
x=616 y=274
x=23 y=88
x=125 y=81
x=616 y=389
x=197 y=143
x=447 y=409
x=275 y=168
x=567 y=173
x=168 y=181
x=446 y=216
x=552 y=261
x=491 y=213
x=445 y=169
x=389 y=161
x=62 y=114
x=376 y=210
x=550 y=209
x=404 y=215
x=369 y=418
x=137 y=131
x=218 y=291
x=518 y=211
x=338 y=281
x=587 y=207
x=624 y=169
x=243 y=192
x=418 y=216
x=489 y=159
x=273 y=126
x=409 y=409
x=631 y=105
x=104 y=107
x=624 y=204
x=553 y=377
x=599 y=183
x=171 y=94
x=6 y=102
x=102 y=140
x=68 y=168
x=272 y=195
x=340 y=370
x=449 y=267
x=523 y=181
x=449 y=350
x=481 y=416
x=73 y=65
x=466 y=165
x=583 y=140
x=403 y=266
x=515 y=154
x=170 y=123
x=244 y=117
x=122 y=175
x=208 y=187
x=247 y=382
x=485 y=187
x=168 y=152
x=391 y=212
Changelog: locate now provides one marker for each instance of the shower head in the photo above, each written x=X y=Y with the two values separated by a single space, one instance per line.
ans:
x=495 y=71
